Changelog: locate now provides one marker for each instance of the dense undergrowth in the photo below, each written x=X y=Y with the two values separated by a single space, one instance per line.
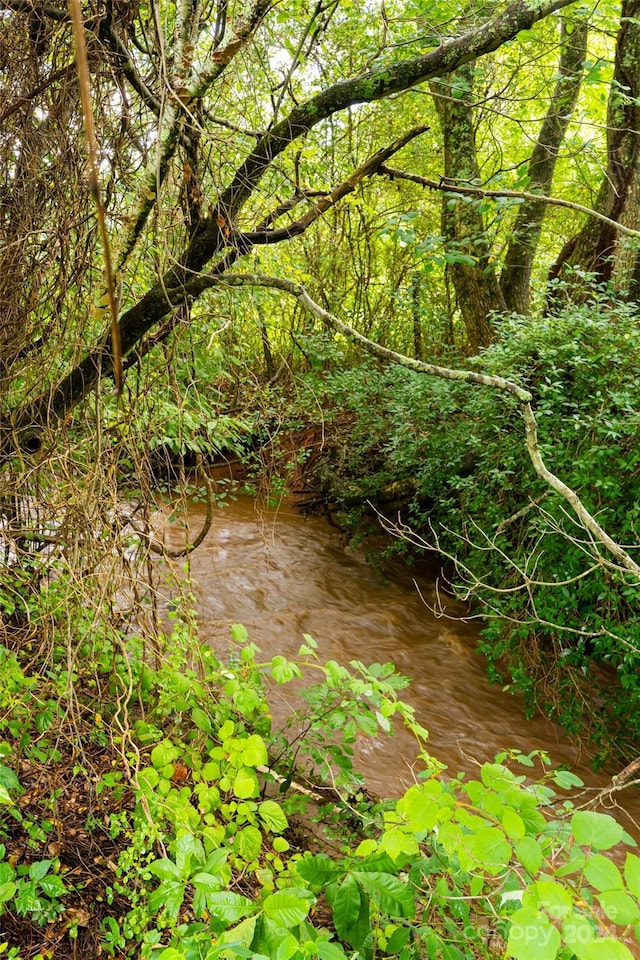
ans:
x=561 y=623
x=150 y=809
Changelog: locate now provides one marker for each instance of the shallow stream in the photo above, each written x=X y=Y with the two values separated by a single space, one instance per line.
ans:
x=282 y=575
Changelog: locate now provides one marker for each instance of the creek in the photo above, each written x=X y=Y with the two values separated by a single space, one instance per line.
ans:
x=282 y=575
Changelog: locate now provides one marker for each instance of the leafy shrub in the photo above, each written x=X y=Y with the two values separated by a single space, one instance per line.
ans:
x=554 y=608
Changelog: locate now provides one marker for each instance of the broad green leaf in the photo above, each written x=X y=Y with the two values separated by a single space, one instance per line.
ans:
x=227 y=905
x=287 y=948
x=596 y=830
x=602 y=873
x=566 y=780
x=329 y=951
x=513 y=824
x=529 y=853
x=399 y=844
x=189 y=852
x=619 y=907
x=245 y=783
x=577 y=930
x=632 y=873
x=554 y=898
x=39 y=869
x=7 y=890
x=168 y=896
x=319 y=870
x=207 y=882
x=283 y=670
x=489 y=847
x=53 y=886
x=226 y=730
x=346 y=907
x=496 y=776
x=248 y=843
x=604 y=949
x=242 y=934
x=532 y=936
x=8 y=779
x=389 y=893
x=5 y=796
x=163 y=754
x=254 y=751
x=272 y=814
x=239 y=633
x=421 y=807
x=201 y=719
x=164 y=869
x=288 y=907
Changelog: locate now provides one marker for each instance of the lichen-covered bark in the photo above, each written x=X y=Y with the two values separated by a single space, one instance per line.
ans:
x=473 y=276
x=594 y=248
x=516 y=272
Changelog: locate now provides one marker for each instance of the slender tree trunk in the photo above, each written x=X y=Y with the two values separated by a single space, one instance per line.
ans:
x=416 y=313
x=472 y=274
x=594 y=249
x=515 y=279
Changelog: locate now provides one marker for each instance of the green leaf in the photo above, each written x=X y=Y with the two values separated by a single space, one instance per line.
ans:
x=272 y=814
x=602 y=873
x=554 y=898
x=619 y=907
x=5 y=796
x=529 y=853
x=207 y=882
x=242 y=934
x=226 y=905
x=532 y=936
x=605 y=949
x=8 y=779
x=513 y=824
x=566 y=780
x=596 y=830
x=577 y=930
x=346 y=907
x=39 y=869
x=489 y=847
x=254 y=751
x=248 y=843
x=389 y=893
x=239 y=633
x=164 y=869
x=632 y=873
x=319 y=870
x=189 y=852
x=245 y=783
x=283 y=670
x=168 y=896
x=53 y=887
x=7 y=890
x=329 y=951
x=201 y=719
x=163 y=754
x=288 y=907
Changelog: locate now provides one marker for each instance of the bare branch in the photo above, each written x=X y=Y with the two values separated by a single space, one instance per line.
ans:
x=515 y=194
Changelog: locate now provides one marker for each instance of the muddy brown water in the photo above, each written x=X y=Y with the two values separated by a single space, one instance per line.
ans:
x=283 y=575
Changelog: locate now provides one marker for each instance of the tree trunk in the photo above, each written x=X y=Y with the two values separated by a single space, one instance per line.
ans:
x=516 y=272
x=469 y=266
x=594 y=249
